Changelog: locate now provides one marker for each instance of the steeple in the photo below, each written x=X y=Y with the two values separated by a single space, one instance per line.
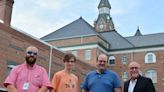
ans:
x=6 y=11
x=138 y=33
x=104 y=21
x=104 y=3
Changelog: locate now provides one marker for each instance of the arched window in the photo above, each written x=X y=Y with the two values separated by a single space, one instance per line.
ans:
x=150 y=58
x=151 y=74
x=111 y=60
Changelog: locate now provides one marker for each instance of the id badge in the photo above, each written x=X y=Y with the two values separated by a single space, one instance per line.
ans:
x=26 y=86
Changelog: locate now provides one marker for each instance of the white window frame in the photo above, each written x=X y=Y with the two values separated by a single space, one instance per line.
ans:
x=124 y=60
x=152 y=74
x=10 y=67
x=88 y=54
x=111 y=58
x=148 y=56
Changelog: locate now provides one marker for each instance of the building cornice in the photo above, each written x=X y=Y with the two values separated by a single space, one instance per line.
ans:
x=84 y=46
x=137 y=50
x=72 y=37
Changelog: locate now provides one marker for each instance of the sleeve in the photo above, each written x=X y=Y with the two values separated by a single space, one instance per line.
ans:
x=11 y=78
x=55 y=81
x=46 y=82
x=85 y=83
x=117 y=83
x=150 y=87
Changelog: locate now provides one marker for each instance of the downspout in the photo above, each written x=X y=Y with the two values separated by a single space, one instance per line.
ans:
x=50 y=62
x=132 y=56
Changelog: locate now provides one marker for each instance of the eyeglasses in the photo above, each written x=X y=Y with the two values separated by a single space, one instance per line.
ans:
x=131 y=68
x=70 y=61
x=30 y=53
x=102 y=61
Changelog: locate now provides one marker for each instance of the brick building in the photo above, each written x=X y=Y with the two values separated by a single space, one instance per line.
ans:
x=14 y=42
x=86 y=42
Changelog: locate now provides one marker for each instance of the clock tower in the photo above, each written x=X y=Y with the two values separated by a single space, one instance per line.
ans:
x=104 y=21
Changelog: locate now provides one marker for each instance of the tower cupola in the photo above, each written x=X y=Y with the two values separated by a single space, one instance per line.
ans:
x=104 y=21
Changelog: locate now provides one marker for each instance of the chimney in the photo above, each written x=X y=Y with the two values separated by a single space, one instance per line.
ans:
x=6 y=11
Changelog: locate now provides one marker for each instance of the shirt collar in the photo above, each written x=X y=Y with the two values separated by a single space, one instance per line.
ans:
x=133 y=81
x=34 y=66
x=104 y=72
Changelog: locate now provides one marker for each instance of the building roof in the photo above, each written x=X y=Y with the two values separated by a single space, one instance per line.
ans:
x=104 y=3
x=147 y=40
x=80 y=28
x=77 y=28
x=116 y=40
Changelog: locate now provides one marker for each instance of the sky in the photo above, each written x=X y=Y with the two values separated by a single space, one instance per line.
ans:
x=41 y=17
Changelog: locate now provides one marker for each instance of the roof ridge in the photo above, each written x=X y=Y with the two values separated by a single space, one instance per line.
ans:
x=62 y=27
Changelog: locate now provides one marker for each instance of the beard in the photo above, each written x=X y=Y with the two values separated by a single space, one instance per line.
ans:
x=30 y=60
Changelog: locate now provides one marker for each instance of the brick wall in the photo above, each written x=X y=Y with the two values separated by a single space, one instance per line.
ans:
x=78 y=41
x=13 y=44
x=140 y=58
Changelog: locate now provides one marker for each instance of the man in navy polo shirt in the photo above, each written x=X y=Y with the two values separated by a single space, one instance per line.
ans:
x=102 y=79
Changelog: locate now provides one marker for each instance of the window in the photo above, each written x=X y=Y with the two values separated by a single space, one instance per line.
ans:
x=9 y=68
x=124 y=60
x=104 y=10
x=124 y=76
x=87 y=55
x=10 y=65
x=111 y=60
x=74 y=52
x=150 y=58
x=152 y=74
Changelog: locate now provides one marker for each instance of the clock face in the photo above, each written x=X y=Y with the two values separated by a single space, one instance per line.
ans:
x=101 y=26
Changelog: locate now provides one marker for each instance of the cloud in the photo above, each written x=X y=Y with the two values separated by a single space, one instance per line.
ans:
x=120 y=7
x=40 y=17
x=33 y=20
x=54 y=5
x=35 y=26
